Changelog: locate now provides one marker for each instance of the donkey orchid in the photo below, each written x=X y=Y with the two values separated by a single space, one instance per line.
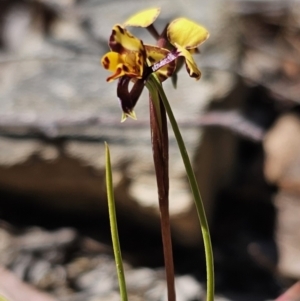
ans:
x=130 y=60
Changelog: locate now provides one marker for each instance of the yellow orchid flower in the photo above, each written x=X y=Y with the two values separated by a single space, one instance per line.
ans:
x=128 y=61
x=186 y=35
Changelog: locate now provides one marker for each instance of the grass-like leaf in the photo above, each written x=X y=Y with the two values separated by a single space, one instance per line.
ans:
x=114 y=226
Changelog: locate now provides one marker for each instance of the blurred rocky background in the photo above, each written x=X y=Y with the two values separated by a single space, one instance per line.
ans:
x=240 y=123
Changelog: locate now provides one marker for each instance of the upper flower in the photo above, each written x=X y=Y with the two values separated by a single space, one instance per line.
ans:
x=186 y=35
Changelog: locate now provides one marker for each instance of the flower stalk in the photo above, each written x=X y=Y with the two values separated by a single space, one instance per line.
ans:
x=160 y=149
x=155 y=84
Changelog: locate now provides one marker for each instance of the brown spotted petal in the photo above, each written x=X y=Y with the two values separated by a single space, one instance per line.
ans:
x=120 y=65
x=163 y=60
x=128 y=99
x=122 y=40
x=130 y=48
x=190 y=64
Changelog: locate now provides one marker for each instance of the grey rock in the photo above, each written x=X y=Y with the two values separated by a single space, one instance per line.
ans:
x=187 y=289
x=156 y=292
x=39 y=274
x=139 y=280
x=15 y=290
x=37 y=240
x=7 y=254
x=97 y=281
x=21 y=265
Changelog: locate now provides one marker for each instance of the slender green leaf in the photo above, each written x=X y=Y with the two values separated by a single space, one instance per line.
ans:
x=114 y=226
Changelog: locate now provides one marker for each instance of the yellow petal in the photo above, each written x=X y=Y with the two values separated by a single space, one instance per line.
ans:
x=111 y=60
x=186 y=33
x=122 y=65
x=143 y=18
x=121 y=40
x=191 y=65
x=156 y=54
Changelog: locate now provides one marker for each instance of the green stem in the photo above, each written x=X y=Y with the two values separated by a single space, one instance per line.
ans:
x=154 y=83
x=114 y=226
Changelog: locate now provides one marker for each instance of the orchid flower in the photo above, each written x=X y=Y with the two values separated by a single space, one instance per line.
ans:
x=128 y=61
x=131 y=60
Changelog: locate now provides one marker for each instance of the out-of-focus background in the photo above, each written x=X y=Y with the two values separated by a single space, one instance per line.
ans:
x=240 y=123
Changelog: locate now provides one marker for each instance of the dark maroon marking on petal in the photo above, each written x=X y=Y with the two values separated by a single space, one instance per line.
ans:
x=151 y=59
x=194 y=75
x=121 y=29
x=128 y=99
x=125 y=68
x=143 y=52
x=112 y=37
x=106 y=62
x=141 y=56
x=113 y=44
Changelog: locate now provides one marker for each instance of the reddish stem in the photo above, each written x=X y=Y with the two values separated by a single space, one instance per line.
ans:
x=160 y=148
x=162 y=40
x=153 y=31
